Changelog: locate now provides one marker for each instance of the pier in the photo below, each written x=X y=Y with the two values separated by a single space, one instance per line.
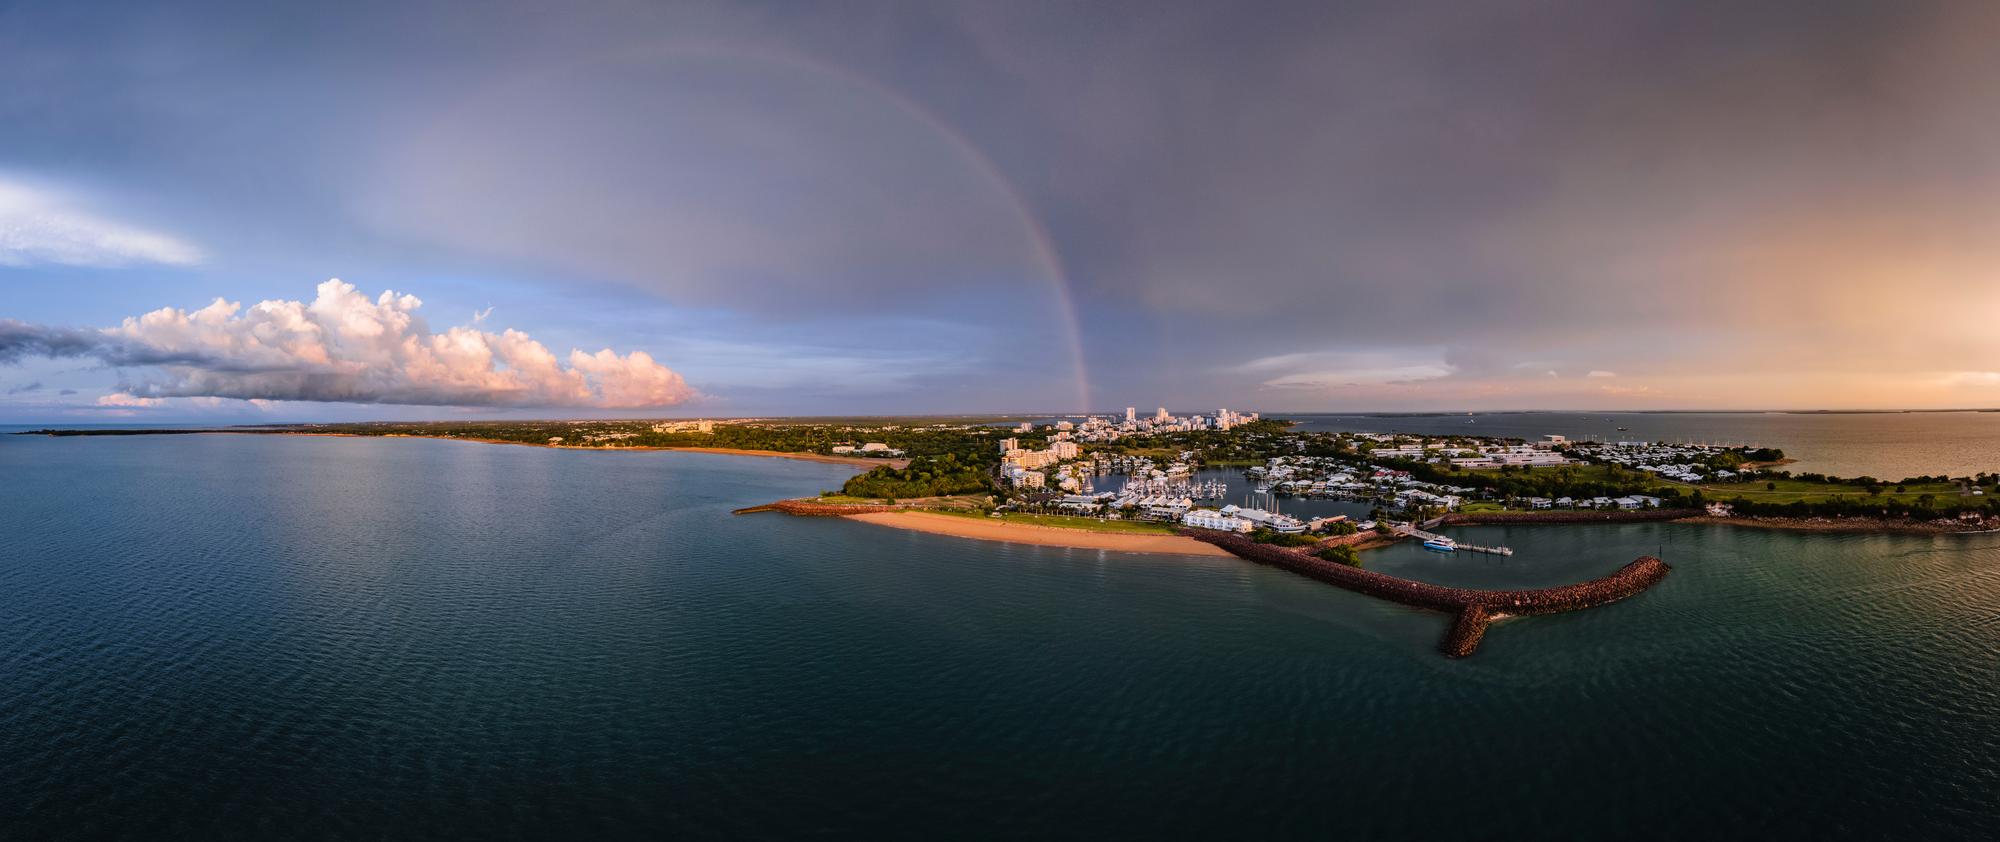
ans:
x=1410 y=531
x=1472 y=610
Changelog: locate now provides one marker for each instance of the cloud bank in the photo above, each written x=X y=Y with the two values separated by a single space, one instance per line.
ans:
x=343 y=346
x=40 y=227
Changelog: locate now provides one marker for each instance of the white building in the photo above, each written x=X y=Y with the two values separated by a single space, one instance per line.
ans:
x=1212 y=519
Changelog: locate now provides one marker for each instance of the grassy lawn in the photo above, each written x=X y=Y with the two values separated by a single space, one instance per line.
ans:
x=1071 y=522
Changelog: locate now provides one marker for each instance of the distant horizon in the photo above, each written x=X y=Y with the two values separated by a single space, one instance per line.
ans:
x=1010 y=415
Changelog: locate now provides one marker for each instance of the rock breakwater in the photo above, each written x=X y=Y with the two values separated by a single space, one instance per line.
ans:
x=1472 y=609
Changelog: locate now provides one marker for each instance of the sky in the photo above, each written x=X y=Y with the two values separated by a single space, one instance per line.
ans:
x=242 y=212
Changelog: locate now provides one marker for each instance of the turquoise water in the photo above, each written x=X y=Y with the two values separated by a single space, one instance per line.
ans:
x=278 y=637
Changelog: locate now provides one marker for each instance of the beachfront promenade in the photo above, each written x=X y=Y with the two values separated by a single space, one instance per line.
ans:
x=1472 y=609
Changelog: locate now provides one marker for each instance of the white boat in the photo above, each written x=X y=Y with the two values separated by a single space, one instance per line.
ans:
x=1443 y=545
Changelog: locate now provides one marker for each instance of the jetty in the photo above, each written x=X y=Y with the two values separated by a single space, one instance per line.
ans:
x=1472 y=610
x=1410 y=531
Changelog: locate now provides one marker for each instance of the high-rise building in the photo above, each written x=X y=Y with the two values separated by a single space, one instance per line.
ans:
x=1131 y=414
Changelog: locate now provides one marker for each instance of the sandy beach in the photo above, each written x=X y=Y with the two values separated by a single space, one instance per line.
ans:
x=1047 y=536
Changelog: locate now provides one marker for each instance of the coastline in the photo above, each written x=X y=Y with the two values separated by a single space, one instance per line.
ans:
x=850 y=461
x=1849 y=526
x=853 y=461
x=1046 y=536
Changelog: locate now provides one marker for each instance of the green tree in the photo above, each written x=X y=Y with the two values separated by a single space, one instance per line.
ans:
x=1341 y=554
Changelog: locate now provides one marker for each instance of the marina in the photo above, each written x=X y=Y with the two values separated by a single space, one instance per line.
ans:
x=1444 y=544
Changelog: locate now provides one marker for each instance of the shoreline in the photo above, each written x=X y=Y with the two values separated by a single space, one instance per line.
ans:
x=850 y=461
x=1844 y=526
x=1045 y=536
x=919 y=520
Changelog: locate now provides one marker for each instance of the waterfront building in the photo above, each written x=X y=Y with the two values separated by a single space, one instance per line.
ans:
x=1212 y=519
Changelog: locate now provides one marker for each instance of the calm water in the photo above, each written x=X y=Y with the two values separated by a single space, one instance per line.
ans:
x=1882 y=445
x=298 y=638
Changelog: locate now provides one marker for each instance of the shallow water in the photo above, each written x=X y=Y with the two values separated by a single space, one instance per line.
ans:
x=316 y=637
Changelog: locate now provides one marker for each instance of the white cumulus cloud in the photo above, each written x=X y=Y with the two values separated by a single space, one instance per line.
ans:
x=345 y=346
x=37 y=226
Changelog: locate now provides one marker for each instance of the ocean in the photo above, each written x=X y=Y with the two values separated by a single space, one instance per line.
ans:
x=289 y=637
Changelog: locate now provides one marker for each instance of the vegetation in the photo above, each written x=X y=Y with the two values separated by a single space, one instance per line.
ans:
x=1247 y=444
x=1341 y=554
x=925 y=477
x=1075 y=522
x=1267 y=536
x=970 y=443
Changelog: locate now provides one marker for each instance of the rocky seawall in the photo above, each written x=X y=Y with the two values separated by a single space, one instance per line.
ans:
x=1472 y=609
x=802 y=508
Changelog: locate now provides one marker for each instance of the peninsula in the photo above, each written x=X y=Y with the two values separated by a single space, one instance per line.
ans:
x=1153 y=472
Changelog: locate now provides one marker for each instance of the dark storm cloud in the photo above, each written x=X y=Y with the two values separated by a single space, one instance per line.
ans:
x=19 y=340
x=1298 y=202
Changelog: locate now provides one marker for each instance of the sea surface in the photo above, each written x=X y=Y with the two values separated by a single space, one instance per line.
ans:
x=1884 y=445
x=222 y=636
